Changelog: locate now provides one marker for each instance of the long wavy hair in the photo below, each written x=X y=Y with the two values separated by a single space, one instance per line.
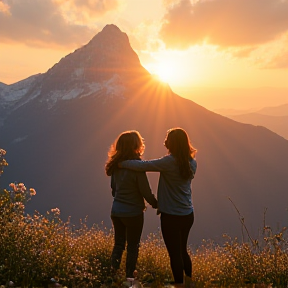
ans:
x=178 y=143
x=128 y=146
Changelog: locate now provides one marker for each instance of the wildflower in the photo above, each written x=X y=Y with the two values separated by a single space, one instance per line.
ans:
x=19 y=205
x=21 y=187
x=2 y=152
x=56 y=211
x=13 y=186
x=32 y=192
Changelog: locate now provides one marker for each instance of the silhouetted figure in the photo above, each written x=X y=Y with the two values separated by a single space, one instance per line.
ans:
x=129 y=189
x=177 y=169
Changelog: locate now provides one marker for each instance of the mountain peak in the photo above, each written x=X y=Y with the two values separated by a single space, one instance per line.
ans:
x=109 y=50
x=111 y=31
x=104 y=67
x=106 y=60
x=111 y=39
x=111 y=28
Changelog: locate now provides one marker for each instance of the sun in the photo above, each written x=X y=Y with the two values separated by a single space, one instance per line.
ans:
x=178 y=68
x=165 y=72
x=170 y=67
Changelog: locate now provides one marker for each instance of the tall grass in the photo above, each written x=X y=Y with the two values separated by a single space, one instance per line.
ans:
x=39 y=250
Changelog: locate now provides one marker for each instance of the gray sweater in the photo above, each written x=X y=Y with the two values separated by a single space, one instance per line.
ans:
x=174 y=193
x=129 y=189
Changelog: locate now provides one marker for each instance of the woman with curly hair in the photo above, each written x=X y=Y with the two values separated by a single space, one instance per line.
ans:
x=129 y=189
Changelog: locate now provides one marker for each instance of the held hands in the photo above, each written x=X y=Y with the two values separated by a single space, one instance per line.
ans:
x=155 y=205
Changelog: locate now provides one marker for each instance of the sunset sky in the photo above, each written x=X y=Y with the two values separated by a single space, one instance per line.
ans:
x=232 y=48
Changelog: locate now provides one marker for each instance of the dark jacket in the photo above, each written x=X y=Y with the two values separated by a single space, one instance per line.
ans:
x=129 y=189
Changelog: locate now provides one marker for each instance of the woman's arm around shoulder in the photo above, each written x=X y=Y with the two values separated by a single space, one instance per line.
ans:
x=156 y=165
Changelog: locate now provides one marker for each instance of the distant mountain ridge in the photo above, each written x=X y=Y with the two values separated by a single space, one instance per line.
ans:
x=273 y=118
x=58 y=126
x=281 y=110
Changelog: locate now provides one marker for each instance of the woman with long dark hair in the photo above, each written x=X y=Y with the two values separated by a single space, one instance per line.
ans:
x=177 y=169
x=129 y=189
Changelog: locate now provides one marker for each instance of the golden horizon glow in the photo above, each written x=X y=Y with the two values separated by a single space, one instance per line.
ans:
x=209 y=67
x=183 y=49
x=169 y=66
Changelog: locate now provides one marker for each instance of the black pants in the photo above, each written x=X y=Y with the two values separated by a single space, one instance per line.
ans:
x=175 y=231
x=126 y=229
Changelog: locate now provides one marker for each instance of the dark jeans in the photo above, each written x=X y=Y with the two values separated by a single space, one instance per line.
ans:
x=126 y=229
x=175 y=231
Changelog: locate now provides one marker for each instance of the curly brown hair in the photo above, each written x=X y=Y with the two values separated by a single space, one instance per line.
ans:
x=129 y=145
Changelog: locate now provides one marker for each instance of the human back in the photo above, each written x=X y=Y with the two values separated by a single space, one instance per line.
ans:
x=129 y=189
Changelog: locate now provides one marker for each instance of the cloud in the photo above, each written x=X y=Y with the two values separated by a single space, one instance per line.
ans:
x=95 y=8
x=280 y=61
x=227 y=23
x=44 y=22
x=242 y=52
x=170 y=3
x=273 y=55
x=4 y=8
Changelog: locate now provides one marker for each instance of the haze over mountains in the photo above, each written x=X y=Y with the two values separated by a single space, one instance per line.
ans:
x=273 y=118
x=57 y=128
x=245 y=99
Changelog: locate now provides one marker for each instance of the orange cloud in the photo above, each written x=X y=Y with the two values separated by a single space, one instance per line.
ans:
x=44 y=23
x=275 y=57
x=94 y=8
x=280 y=61
x=227 y=23
x=4 y=8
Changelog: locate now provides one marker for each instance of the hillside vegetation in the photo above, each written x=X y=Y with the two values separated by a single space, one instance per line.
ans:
x=42 y=250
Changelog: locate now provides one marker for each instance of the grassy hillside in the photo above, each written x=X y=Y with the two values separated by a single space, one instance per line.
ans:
x=40 y=250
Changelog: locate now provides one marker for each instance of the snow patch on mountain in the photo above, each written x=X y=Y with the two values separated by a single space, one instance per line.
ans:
x=114 y=86
x=110 y=88
x=78 y=72
x=14 y=92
